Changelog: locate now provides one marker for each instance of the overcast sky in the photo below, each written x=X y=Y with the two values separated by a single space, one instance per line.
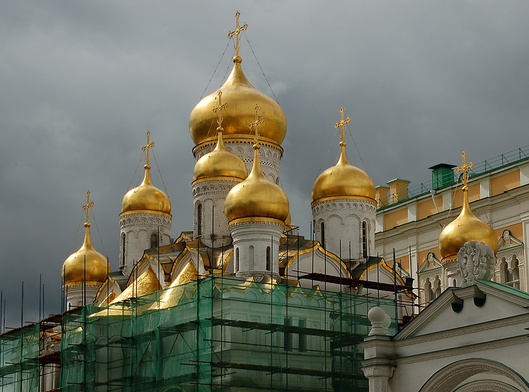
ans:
x=82 y=82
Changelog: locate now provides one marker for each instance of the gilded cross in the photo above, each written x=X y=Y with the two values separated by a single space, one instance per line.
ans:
x=147 y=147
x=89 y=204
x=258 y=121
x=236 y=32
x=465 y=168
x=342 y=123
x=218 y=110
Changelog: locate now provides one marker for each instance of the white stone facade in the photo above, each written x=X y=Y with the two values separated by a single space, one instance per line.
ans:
x=346 y=227
x=140 y=231
x=270 y=155
x=256 y=248
x=210 y=223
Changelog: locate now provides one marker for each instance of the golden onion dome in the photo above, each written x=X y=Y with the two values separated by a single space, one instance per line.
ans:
x=146 y=197
x=343 y=181
x=466 y=227
x=85 y=265
x=220 y=163
x=242 y=98
x=256 y=196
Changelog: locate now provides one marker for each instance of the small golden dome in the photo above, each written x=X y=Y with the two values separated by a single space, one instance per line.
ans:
x=85 y=265
x=242 y=98
x=466 y=227
x=220 y=163
x=146 y=197
x=343 y=180
x=256 y=196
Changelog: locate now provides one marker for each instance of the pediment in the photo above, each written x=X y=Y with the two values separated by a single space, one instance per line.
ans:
x=467 y=307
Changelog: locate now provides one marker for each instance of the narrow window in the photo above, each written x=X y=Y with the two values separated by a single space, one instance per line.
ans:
x=250 y=258
x=322 y=229
x=428 y=292
x=154 y=240
x=364 y=239
x=437 y=287
x=302 y=343
x=199 y=220
x=123 y=243
x=268 y=258
x=504 y=272
x=287 y=336
x=237 y=260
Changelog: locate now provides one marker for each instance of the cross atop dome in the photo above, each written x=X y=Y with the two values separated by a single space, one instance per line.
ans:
x=86 y=208
x=218 y=110
x=147 y=147
x=342 y=124
x=254 y=126
x=464 y=168
x=238 y=30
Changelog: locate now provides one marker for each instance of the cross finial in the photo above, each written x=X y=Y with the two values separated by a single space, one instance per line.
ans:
x=86 y=208
x=254 y=126
x=147 y=147
x=342 y=123
x=236 y=32
x=218 y=110
x=464 y=168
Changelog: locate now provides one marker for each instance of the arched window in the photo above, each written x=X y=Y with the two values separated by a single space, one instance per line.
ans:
x=199 y=220
x=428 y=293
x=504 y=271
x=237 y=260
x=123 y=243
x=322 y=230
x=268 y=258
x=437 y=287
x=250 y=258
x=364 y=239
x=516 y=275
x=154 y=240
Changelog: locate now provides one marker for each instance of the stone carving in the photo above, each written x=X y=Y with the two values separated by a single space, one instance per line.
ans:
x=475 y=262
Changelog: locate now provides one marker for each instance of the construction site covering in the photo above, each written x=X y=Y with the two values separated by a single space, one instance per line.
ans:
x=216 y=333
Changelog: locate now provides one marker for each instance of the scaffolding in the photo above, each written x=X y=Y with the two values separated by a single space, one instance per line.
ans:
x=216 y=333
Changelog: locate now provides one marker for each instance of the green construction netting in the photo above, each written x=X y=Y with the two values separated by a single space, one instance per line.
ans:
x=19 y=359
x=213 y=334
x=219 y=334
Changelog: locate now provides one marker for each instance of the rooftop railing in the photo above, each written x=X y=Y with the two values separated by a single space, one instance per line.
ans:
x=489 y=165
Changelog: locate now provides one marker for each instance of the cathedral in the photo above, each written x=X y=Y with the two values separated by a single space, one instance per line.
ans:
x=242 y=302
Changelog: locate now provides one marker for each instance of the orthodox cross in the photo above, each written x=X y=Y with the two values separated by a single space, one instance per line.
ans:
x=89 y=204
x=218 y=110
x=236 y=32
x=255 y=125
x=465 y=168
x=342 y=123
x=147 y=147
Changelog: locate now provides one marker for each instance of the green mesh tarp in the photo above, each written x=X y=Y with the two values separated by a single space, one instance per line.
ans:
x=19 y=359
x=219 y=334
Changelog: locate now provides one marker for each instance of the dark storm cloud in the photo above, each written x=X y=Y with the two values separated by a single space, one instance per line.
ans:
x=81 y=83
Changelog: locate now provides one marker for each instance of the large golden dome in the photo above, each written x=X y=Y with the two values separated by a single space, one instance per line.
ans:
x=85 y=265
x=220 y=163
x=241 y=97
x=343 y=180
x=146 y=197
x=466 y=227
x=256 y=197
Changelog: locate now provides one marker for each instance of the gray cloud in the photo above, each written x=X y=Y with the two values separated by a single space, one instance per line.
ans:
x=81 y=83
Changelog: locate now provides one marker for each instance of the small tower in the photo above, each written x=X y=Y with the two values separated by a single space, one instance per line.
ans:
x=214 y=175
x=344 y=207
x=145 y=218
x=465 y=228
x=84 y=271
x=256 y=210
